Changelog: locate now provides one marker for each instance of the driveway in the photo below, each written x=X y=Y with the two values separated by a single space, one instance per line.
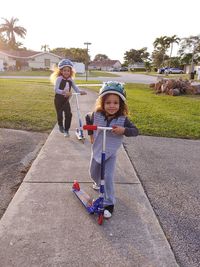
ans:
x=169 y=171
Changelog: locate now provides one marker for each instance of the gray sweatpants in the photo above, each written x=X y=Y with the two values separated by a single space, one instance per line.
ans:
x=95 y=174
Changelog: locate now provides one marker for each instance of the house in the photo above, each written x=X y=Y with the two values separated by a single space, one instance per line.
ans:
x=1 y=65
x=187 y=68
x=32 y=60
x=106 y=65
x=26 y=60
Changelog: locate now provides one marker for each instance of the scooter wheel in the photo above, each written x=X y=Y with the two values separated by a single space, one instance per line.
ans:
x=76 y=186
x=100 y=219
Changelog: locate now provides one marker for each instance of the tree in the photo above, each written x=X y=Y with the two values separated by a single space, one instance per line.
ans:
x=175 y=62
x=45 y=47
x=100 y=57
x=171 y=40
x=190 y=46
x=157 y=58
x=136 y=56
x=74 y=54
x=162 y=44
x=11 y=29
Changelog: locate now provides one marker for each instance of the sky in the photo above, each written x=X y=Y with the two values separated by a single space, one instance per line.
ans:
x=111 y=26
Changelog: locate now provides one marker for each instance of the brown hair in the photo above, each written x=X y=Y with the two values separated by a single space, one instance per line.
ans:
x=100 y=102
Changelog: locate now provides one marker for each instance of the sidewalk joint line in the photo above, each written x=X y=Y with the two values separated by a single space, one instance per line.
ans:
x=70 y=182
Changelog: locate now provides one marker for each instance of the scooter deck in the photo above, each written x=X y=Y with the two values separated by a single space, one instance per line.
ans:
x=91 y=206
x=84 y=198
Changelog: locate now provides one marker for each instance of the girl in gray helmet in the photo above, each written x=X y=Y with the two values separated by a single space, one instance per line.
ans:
x=110 y=110
x=62 y=78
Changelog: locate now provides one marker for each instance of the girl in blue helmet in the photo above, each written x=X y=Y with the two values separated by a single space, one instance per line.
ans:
x=62 y=78
x=110 y=110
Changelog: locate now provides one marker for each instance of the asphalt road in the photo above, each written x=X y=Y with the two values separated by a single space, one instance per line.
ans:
x=169 y=171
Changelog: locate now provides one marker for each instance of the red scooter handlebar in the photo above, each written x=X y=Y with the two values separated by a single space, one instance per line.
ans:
x=95 y=127
x=90 y=127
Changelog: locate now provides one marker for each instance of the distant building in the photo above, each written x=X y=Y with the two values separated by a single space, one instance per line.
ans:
x=26 y=60
x=187 y=68
x=79 y=67
x=32 y=60
x=1 y=65
x=106 y=65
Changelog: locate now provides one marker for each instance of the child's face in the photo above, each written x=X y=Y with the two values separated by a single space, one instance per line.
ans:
x=111 y=104
x=66 y=72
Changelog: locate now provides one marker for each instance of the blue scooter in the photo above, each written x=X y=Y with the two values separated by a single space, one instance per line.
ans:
x=94 y=206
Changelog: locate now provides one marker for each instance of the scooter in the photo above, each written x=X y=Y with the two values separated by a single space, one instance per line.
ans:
x=79 y=130
x=94 y=206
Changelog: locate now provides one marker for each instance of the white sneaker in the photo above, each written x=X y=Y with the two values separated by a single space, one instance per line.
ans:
x=107 y=214
x=66 y=133
x=95 y=186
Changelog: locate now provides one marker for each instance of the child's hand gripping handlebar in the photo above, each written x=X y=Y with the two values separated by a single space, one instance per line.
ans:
x=94 y=128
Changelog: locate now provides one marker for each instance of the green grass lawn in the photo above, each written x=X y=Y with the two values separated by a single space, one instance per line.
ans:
x=28 y=105
x=26 y=73
x=163 y=115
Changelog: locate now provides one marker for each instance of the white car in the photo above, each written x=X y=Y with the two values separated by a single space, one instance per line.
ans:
x=174 y=71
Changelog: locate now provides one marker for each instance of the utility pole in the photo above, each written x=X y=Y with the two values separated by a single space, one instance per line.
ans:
x=86 y=69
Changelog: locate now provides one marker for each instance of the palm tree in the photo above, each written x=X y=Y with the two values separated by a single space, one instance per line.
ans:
x=11 y=29
x=162 y=45
x=45 y=47
x=171 y=40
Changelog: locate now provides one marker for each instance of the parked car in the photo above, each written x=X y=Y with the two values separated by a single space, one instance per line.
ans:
x=174 y=71
x=162 y=70
x=123 y=69
x=115 y=69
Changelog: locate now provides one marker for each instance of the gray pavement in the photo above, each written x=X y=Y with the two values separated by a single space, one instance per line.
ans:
x=46 y=225
x=169 y=171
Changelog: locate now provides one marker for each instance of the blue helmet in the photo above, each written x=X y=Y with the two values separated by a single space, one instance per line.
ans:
x=65 y=63
x=112 y=87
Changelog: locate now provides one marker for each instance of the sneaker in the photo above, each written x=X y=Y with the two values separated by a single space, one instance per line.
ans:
x=61 y=129
x=110 y=208
x=66 y=133
x=107 y=214
x=95 y=186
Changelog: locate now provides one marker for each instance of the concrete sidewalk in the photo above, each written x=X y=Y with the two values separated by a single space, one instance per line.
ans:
x=46 y=225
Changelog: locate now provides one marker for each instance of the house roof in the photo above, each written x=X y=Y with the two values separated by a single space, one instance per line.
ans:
x=24 y=53
x=104 y=63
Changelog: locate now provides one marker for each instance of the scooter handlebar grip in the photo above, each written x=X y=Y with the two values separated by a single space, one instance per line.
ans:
x=89 y=127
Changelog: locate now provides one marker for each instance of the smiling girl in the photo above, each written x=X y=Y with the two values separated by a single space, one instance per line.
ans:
x=62 y=78
x=110 y=111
